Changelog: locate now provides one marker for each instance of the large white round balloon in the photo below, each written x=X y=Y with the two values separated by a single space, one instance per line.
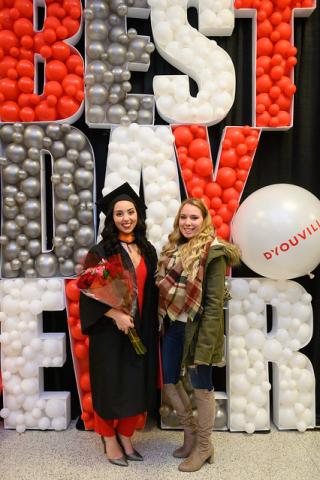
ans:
x=278 y=231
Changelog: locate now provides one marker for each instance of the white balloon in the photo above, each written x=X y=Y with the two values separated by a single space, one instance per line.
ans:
x=239 y=288
x=277 y=231
x=54 y=408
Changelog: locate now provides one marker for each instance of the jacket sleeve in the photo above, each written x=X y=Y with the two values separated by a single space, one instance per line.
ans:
x=211 y=321
x=91 y=310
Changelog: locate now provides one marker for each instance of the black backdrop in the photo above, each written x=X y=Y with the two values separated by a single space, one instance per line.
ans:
x=282 y=157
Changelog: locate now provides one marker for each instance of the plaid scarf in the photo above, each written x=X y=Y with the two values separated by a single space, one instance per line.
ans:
x=178 y=293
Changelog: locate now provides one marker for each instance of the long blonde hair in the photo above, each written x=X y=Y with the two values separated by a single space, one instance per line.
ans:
x=191 y=250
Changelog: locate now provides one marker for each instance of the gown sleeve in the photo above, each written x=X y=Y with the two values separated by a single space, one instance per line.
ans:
x=92 y=311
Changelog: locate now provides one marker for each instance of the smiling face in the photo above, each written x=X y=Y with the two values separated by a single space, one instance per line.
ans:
x=190 y=221
x=125 y=216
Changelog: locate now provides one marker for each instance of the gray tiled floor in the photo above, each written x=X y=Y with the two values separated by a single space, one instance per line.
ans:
x=76 y=455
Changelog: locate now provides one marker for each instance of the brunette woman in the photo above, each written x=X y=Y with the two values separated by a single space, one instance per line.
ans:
x=123 y=383
x=191 y=280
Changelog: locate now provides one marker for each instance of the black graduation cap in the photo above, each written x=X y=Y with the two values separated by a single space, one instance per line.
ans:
x=124 y=192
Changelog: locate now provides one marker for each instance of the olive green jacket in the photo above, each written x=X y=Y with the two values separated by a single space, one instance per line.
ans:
x=204 y=336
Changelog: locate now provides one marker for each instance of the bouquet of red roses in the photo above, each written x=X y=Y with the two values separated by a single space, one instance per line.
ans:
x=109 y=283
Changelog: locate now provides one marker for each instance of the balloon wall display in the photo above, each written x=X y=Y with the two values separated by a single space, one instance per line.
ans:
x=22 y=48
x=24 y=244
x=25 y=350
x=112 y=52
x=151 y=150
x=197 y=56
x=272 y=34
x=250 y=348
x=222 y=191
x=278 y=231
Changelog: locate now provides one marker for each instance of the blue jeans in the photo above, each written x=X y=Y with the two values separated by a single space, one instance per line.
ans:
x=172 y=351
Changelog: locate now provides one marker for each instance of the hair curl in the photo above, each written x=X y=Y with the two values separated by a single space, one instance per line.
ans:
x=110 y=234
x=190 y=250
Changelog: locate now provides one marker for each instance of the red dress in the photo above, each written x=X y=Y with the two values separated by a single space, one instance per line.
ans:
x=125 y=426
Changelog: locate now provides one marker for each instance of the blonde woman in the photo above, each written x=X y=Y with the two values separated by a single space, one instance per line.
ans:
x=191 y=281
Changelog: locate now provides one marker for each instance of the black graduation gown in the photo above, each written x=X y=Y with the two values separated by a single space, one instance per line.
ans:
x=122 y=383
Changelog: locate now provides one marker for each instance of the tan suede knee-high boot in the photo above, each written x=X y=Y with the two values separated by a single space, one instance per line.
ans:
x=203 y=451
x=180 y=401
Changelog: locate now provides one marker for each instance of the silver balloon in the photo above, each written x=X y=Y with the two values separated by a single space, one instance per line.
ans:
x=9 y=201
x=80 y=255
x=96 y=114
x=21 y=197
x=85 y=195
x=69 y=242
x=72 y=154
x=34 y=153
x=147 y=102
x=89 y=79
x=130 y=57
x=33 y=229
x=11 y=250
x=63 y=166
x=11 y=174
x=137 y=46
x=108 y=77
x=145 y=117
x=115 y=112
x=62 y=230
x=125 y=121
x=126 y=87
x=67 y=268
x=116 y=54
x=53 y=130
x=85 y=216
x=16 y=153
x=75 y=139
x=63 y=211
x=6 y=133
x=10 y=191
x=55 y=178
x=46 y=265
x=84 y=236
x=22 y=174
x=73 y=225
x=97 y=69
x=58 y=149
x=63 y=251
x=145 y=58
x=149 y=48
x=21 y=220
x=23 y=256
x=11 y=229
x=100 y=9
x=47 y=142
x=97 y=94
x=97 y=30
x=126 y=75
x=83 y=178
x=89 y=165
x=122 y=10
x=114 y=20
x=88 y=14
x=94 y=50
x=66 y=128
x=16 y=264
x=33 y=136
x=221 y=418
x=3 y=240
x=57 y=241
x=123 y=39
x=22 y=240
x=31 y=208
x=131 y=102
x=133 y=115
x=17 y=137
x=104 y=57
x=10 y=212
x=132 y=33
x=114 y=98
x=30 y=273
x=31 y=166
x=115 y=33
x=117 y=73
x=84 y=157
x=66 y=178
x=64 y=191
x=34 y=247
x=18 y=127
x=7 y=271
x=31 y=187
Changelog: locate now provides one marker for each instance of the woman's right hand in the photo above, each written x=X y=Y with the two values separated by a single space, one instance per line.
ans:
x=122 y=320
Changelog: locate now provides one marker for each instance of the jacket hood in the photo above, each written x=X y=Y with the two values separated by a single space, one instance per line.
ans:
x=230 y=250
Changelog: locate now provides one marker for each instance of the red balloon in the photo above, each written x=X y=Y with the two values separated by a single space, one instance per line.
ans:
x=242 y=175
x=76 y=332
x=45 y=113
x=245 y=162
x=25 y=68
x=27 y=114
x=187 y=174
x=7 y=63
x=264 y=29
x=182 y=150
x=217 y=221
x=224 y=231
x=189 y=163
x=72 y=291
x=9 y=88
x=53 y=88
x=49 y=35
x=276 y=72
x=263 y=84
x=183 y=136
x=56 y=70
x=264 y=99
x=197 y=192
x=22 y=27
x=87 y=403
x=25 y=8
x=264 y=47
x=233 y=205
x=206 y=201
x=230 y=194
x=284 y=118
x=8 y=40
x=226 y=144
x=26 y=84
x=216 y=203
x=85 y=382
x=203 y=166
x=61 y=51
x=225 y=213
x=73 y=62
x=199 y=148
x=9 y=112
x=196 y=181
x=251 y=142
x=72 y=320
x=71 y=25
x=285 y=30
x=263 y=119
x=238 y=185
x=85 y=416
x=274 y=109
x=283 y=102
x=242 y=149
x=201 y=133
x=226 y=177
x=235 y=135
x=67 y=107
x=229 y=158
x=72 y=80
x=276 y=18
x=283 y=47
x=74 y=309
x=213 y=189
x=80 y=350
